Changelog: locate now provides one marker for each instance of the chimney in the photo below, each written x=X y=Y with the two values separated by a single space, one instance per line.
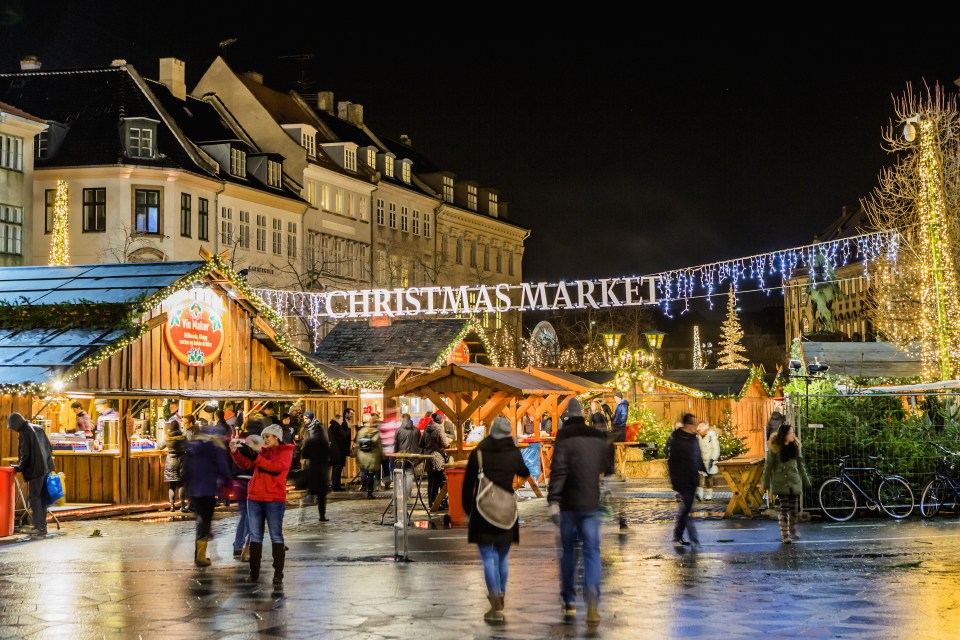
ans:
x=253 y=75
x=118 y=62
x=380 y=321
x=325 y=101
x=30 y=63
x=352 y=113
x=405 y=139
x=342 y=109
x=172 y=73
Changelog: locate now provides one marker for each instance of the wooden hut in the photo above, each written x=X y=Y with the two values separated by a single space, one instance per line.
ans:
x=139 y=338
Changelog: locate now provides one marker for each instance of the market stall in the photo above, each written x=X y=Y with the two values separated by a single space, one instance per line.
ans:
x=102 y=355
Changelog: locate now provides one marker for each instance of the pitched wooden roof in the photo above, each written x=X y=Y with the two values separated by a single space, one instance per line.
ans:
x=515 y=382
x=719 y=382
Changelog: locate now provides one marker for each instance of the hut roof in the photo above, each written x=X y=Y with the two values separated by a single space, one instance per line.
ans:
x=863 y=359
x=718 y=382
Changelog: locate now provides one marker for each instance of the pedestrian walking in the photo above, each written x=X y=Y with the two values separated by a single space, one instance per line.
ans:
x=773 y=423
x=205 y=475
x=618 y=425
x=250 y=435
x=710 y=452
x=785 y=475
x=388 y=435
x=175 y=444
x=581 y=455
x=497 y=459
x=433 y=441
x=369 y=450
x=316 y=459
x=340 y=439
x=34 y=462
x=685 y=463
x=266 y=497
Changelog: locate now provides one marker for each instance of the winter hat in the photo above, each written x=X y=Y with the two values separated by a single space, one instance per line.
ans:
x=273 y=430
x=14 y=422
x=309 y=414
x=501 y=428
x=574 y=408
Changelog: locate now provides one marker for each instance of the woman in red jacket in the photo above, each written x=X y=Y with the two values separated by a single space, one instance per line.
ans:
x=266 y=496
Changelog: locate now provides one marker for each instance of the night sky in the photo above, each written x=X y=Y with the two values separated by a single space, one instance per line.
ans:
x=623 y=159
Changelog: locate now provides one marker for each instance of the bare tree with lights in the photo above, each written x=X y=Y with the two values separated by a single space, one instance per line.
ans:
x=914 y=300
x=731 y=333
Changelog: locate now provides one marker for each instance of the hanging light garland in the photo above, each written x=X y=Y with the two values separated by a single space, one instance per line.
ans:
x=60 y=234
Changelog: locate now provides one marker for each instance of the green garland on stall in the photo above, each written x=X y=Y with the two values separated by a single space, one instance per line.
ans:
x=325 y=380
x=755 y=373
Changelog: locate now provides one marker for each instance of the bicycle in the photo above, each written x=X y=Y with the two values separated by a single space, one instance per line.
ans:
x=891 y=493
x=938 y=490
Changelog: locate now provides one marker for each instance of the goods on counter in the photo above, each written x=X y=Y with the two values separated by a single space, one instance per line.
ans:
x=138 y=443
x=69 y=442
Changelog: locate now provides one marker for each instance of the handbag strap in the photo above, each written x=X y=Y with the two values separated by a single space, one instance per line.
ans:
x=480 y=460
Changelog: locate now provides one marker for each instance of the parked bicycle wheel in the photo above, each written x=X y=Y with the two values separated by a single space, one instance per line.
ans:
x=895 y=497
x=932 y=497
x=837 y=500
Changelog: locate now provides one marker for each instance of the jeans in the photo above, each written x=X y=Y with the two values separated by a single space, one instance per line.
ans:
x=259 y=512
x=386 y=470
x=683 y=516
x=203 y=507
x=585 y=527
x=38 y=510
x=495 y=566
x=243 y=528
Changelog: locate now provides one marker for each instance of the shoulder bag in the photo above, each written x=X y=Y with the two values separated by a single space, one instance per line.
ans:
x=496 y=505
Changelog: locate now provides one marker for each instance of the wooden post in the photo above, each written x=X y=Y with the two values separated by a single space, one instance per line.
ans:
x=125 y=429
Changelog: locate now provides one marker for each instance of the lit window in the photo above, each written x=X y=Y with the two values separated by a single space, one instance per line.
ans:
x=363 y=208
x=146 y=217
x=350 y=212
x=338 y=201
x=371 y=157
x=404 y=219
x=325 y=197
x=471 y=197
x=416 y=222
x=447 y=189
x=379 y=212
x=238 y=163
x=141 y=142
x=493 y=204
x=393 y=215
x=11 y=230
x=312 y=192
x=406 y=172
x=388 y=166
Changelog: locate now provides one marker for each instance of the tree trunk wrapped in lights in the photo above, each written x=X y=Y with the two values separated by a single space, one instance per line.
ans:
x=60 y=234
x=731 y=333
x=914 y=299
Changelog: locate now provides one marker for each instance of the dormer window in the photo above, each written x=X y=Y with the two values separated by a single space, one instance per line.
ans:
x=388 y=166
x=472 y=197
x=274 y=173
x=350 y=160
x=140 y=135
x=371 y=157
x=493 y=202
x=447 y=189
x=43 y=142
x=309 y=142
x=405 y=172
x=238 y=163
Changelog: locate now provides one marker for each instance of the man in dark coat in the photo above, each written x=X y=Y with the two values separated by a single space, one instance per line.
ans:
x=316 y=456
x=685 y=464
x=206 y=472
x=36 y=461
x=340 y=440
x=581 y=454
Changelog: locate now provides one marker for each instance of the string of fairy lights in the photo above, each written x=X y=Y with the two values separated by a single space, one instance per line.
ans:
x=60 y=234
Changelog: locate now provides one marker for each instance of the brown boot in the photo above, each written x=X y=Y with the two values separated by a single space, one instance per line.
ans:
x=245 y=552
x=279 y=558
x=256 y=555
x=200 y=553
x=495 y=614
x=593 y=612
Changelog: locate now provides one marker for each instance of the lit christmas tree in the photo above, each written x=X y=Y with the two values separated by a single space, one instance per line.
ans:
x=60 y=235
x=731 y=333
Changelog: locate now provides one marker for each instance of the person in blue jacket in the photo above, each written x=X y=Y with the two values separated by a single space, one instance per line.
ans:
x=205 y=474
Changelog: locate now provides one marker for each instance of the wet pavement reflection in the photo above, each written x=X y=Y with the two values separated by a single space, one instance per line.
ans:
x=869 y=578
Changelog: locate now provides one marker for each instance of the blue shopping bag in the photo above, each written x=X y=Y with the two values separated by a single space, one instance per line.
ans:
x=54 y=488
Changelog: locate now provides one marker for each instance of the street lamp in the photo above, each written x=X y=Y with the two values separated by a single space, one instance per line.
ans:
x=612 y=340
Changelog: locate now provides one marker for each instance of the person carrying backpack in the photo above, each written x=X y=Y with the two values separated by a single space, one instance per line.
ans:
x=369 y=450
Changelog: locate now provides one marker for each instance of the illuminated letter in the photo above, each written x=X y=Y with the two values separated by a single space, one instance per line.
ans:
x=586 y=295
x=413 y=300
x=562 y=293
x=607 y=290
x=330 y=311
x=529 y=299
x=504 y=297
x=632 y=285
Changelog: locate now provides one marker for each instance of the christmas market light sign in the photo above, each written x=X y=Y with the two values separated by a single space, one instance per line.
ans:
x=194 y=333
x=578 y=294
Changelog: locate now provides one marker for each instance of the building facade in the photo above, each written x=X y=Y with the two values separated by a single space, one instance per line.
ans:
x=18 y=132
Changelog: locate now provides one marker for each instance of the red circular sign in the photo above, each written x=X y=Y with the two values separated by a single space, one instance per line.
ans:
x=194 y=333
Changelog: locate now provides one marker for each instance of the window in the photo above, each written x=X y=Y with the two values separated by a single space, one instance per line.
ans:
x=388 y=166
x=338 y=201
x=308 y=142
x=416 y=222
x=351 y=258
x=226 y=226
x=363 y=208
x=203 y=219
x=338 y=253
x=11 y=230
x=186 y=215
x=325 y=197
x=325 y=242
x=473 y=253
x=426 y=224
x=510 y=262
x=274 y=173
x=238 y=163
x=404 y=273
x=393 y=215
x=371 y=157
x=245 y=229
x=11 y=152
x=447 y=189
x=94 y=210
x=486 y=257
x=350 y=212
x=261 y=233
x=364 y=265
x=278 y=236
x=404 y=219
x=458 y=256
x=405 y=172
x=471 y=197
x=312 y=192
x=291 y=239
x=379 y=212
x=43 y=141
x=311 y=248
x=146 y=215
x=140 y=142
x=49 y=201
x=499 y=261
x=493 y=204
x=350 y=159
x=381 y=267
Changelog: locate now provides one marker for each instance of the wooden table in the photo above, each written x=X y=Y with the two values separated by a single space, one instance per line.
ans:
x=743 y=475
x=620 y=457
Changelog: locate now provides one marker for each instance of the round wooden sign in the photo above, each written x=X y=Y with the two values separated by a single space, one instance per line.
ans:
x=194 y=333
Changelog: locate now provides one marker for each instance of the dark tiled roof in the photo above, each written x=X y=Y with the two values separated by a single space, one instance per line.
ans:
x=333 y=371
x=92 y=104
x=345 y=131
x=603 y=378
x=421 y=163
x=37 y=355
x=720 y=382
x=852 y=222
x=89 y=283
x=198 y=119
x=405 y=343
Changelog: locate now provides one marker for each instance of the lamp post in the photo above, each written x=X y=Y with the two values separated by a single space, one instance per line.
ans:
x=611 y=339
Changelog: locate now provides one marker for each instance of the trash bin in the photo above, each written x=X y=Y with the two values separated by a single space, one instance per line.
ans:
x=8 y=503
x=454 y=493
